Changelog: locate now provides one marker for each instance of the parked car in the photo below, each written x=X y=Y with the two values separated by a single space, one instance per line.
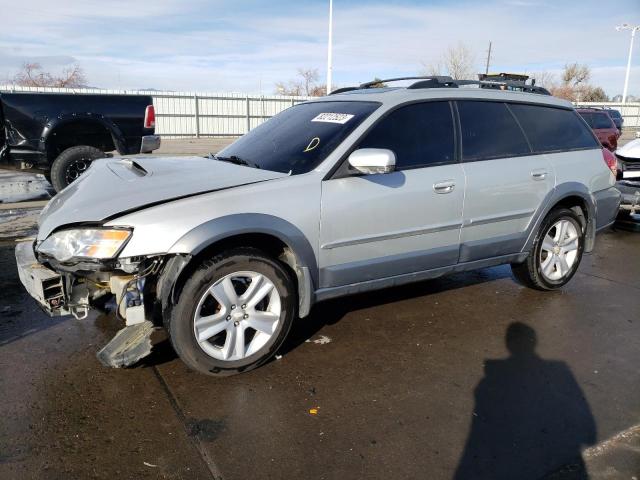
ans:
x=616 y=116
x=361 y=190
x=602 y=125
x=61 y=134
x=629 y=177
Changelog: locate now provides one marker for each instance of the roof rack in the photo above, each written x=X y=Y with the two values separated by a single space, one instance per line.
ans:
x=506 y=85
x=439 y=81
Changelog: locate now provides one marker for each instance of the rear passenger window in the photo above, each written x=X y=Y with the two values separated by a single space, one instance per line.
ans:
x=553 y=129
x=489 y=131
x=420 y=135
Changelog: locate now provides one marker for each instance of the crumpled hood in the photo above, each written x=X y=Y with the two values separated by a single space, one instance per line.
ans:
x=114 y=186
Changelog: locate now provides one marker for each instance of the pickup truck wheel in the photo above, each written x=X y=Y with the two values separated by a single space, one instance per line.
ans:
x=233 y=313
x=72 y=163
x=556 y=254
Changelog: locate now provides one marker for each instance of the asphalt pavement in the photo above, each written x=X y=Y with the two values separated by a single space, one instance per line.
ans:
x=471 y=376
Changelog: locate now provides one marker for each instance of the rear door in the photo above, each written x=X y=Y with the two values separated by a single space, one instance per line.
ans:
x=376 y=226
x=506 y=182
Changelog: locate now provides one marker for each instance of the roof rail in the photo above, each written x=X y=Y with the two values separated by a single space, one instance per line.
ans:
x=438 y=78
x=343 y=89
x=441 y=81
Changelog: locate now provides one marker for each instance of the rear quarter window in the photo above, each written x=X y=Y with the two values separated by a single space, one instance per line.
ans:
x=553 y=129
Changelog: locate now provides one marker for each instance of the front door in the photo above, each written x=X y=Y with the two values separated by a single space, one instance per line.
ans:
x=383 y=225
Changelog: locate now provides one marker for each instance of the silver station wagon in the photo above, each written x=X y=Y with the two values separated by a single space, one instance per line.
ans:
x=364 y=189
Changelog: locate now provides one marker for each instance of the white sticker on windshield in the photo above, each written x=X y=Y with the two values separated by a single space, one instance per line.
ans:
x=340 y=118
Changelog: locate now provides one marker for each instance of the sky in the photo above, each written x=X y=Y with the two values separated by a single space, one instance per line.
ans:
x=249 y=45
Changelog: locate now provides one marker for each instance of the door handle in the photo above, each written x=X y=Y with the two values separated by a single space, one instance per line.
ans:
x=444 y=187
x=539 y=174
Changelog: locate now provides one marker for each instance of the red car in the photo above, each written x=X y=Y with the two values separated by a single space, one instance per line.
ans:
x=602 y=125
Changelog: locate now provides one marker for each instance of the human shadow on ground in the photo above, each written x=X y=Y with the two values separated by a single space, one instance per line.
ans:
x=530 y=417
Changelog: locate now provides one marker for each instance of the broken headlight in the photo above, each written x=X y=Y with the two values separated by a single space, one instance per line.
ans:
x=94 y=243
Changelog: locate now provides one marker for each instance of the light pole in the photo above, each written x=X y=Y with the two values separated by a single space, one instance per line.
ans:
x=633 y=28
x=330 y=48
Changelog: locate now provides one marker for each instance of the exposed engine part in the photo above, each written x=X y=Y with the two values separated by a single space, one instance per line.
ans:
x=77 y=298
x=129 y=291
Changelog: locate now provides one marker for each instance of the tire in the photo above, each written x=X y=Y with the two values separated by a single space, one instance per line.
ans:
x=71 y=163
x=544 y=268
x=207 y=294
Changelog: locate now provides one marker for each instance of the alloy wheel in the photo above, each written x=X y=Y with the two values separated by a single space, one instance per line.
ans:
x=559 y=250
x=76 y=168
x=237 y=316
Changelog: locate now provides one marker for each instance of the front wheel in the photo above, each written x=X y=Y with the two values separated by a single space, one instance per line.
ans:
x=233 y=313
x=556 y=253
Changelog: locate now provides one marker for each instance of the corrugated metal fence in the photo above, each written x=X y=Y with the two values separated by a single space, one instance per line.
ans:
x=191 y=114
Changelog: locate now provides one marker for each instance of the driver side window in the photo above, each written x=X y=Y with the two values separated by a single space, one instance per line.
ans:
x=420 y=134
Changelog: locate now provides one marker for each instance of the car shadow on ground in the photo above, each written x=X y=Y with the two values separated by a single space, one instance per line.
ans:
x=332 y=311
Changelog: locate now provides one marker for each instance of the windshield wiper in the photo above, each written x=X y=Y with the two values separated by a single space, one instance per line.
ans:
x=235 y=160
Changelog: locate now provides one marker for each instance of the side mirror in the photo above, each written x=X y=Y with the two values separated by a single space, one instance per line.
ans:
x=373 y=160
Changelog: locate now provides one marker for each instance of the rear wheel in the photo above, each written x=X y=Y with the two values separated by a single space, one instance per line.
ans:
x=72 y=163
x=233 y=313
x=556 y=253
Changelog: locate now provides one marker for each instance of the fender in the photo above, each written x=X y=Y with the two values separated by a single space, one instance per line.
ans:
x=560 y=192
x=65 y=118
x=208 y=233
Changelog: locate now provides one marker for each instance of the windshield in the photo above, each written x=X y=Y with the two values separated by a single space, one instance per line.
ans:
x=298 y=139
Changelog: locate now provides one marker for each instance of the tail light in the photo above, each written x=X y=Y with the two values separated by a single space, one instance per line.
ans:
x=150 y=117
x=610 y=159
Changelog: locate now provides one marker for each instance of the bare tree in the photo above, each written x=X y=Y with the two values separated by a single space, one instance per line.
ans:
x=305 y=85
x=544 y=79
x=574 y=85
x=593 y=94
x=457 y=61
x=309 y=78
x=292 y=88
x=32 y=75
x=574 y=74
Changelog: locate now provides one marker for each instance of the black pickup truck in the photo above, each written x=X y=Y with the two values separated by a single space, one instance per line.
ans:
x=60 y=134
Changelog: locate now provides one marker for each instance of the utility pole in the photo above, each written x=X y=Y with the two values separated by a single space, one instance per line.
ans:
x=330 y=49
x=633 y=28
x=486 y=71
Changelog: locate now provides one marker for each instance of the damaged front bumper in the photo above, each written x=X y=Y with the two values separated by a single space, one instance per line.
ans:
x=75 y=289
x=630 y=190
x=42 y=283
